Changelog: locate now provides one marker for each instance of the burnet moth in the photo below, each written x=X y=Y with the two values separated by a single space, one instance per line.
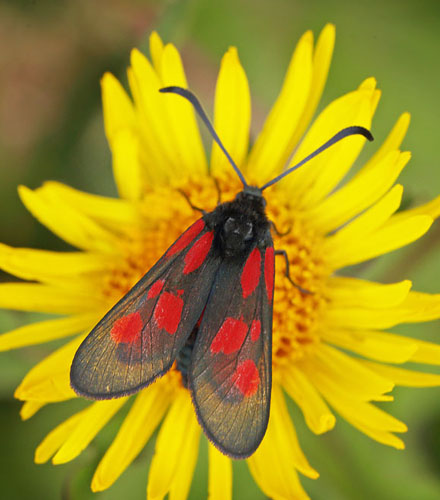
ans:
x=206 y=305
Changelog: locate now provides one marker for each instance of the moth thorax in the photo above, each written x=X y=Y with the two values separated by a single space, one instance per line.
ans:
x=236 y=235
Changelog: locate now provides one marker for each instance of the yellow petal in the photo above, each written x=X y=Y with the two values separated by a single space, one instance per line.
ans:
x=420 y=306
x=47 y=266
x=46 y=298
x=45 y=331
x=352 y=292
x=272 y=465
x=274 y=144
x=317 y=414
x=382 y=437
x=126 y=165
x=155 y=130
x=49 y=380
x=311 y=183
x=392 y=142
x=220 y=475
x=363 y=318
x=183 y=477
x=370 y=83
x=391 y=236
x=432 y=208
x=372 y=344
x=186 y=141
x=30 y=408
x=364 y=225
x=411 y=228
x=232 y=113
x=372 y=421
x=369 y=415
x=111 y=213
x=416 y=307
x=178 y=430
x=156 y=49
x=144 y=416
x=364 y=189
x=384 y=398
x=92 y=421
x=321 y=64
x=427 y=352
x=269 y=475
x=367 y=418
x=55 y=439
x=345 y=373
x=65 y=221
x=285 y=435
x=403 y=377
x=117 y=108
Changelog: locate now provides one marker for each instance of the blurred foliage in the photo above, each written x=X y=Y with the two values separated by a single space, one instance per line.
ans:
x=53 y=55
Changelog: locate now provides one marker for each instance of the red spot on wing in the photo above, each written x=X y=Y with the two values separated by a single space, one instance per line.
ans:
x=198 y=252
x=127 y=329
x=186 y=238
x=251 y=273
x=255 y=330
x=269 y=263
x=168 y=311
x=246 y=378
x=230 y=336
x=155 y=289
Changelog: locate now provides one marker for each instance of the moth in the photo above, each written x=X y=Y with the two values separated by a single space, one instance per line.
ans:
x=207 y=306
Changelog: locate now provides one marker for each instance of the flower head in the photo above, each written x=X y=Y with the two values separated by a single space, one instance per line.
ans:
x=331 y=348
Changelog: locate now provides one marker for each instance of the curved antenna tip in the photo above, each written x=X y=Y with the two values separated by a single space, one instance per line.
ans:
x=172 y=89
x=357 y=130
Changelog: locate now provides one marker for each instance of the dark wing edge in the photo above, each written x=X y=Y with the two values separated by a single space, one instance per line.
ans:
x=138 y=340
x=235 y=423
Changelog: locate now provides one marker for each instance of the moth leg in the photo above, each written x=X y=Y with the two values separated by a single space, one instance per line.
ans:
x=217 y=187
x=286 y=260
x=277 y=231
x=198 y=209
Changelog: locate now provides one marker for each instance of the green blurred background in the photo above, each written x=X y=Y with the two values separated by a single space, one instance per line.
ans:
x=52 y=56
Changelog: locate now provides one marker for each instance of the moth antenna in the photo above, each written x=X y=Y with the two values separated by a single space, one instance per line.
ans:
x=200 y=111
x=346 y=132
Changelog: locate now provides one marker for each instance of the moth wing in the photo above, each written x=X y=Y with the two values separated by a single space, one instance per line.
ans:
x=230 y=371
x=140 y=337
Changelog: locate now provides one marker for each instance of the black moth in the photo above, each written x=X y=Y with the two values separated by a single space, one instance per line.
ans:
x=206 y=303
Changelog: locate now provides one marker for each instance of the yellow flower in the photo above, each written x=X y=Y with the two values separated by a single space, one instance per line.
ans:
x=156 y=150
